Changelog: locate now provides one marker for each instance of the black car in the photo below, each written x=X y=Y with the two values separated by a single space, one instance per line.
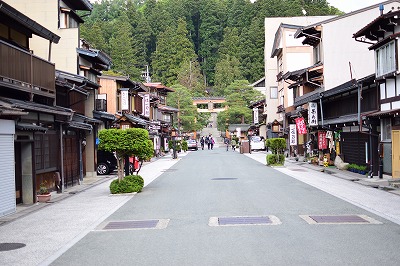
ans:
x=106 y=162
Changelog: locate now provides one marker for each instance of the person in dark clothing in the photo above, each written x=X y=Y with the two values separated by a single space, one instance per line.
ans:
x=202 y=142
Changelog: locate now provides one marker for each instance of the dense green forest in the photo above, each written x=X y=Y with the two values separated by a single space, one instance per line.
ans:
x=196 y=43
x=207 y=47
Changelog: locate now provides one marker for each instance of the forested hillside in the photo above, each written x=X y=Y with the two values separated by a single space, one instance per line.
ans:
x=203 y=45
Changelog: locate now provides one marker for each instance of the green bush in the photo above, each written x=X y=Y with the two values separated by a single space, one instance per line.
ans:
x=275 y=159
x=276 y=145
x=130 y=183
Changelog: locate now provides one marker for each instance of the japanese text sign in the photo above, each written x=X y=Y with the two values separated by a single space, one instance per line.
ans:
x=322 y=143
x=312 y=114
x=146 y=105
x=301 y=126
x=292 y=134
x=124 y=99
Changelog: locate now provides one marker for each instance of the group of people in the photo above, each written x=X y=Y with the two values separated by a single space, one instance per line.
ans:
x=231 y=142
x=208 y=140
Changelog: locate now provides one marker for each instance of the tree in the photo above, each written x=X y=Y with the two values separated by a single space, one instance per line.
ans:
x=126 y=142
x=239 y=96
x=174 y=49
x=189 y=119
x=227 y=70
x=122 y=51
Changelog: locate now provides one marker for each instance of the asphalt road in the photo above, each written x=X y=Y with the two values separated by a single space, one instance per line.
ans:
x=216 y=183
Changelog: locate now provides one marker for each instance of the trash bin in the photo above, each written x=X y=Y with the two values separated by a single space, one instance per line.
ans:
x=245 y=147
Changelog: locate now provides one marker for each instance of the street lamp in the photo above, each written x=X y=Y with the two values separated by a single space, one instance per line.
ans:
x=173 y=137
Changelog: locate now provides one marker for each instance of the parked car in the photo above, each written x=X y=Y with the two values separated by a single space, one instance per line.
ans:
x=257 y=143
x=106 y=162
x=192 y=144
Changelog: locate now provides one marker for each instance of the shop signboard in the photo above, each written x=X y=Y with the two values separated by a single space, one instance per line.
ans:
x=124 y=99
x=146 y=105
x=312 y=114
x=322 y=143
x=255 y=115
x=301 y=126
x=293 y=135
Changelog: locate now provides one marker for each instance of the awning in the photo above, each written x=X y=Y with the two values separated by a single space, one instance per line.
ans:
x=385 y=113
x=32 y=106
x=136 y=120
x=340 y=120
x=164 y=108
x=29 y=127
x=103 y=115
x=308 y=97
x=80 y=125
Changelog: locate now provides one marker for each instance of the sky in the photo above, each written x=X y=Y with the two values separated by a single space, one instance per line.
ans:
x=352 y=5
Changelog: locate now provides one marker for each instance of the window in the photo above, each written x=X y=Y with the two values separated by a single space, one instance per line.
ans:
x=67 y=20
x=46 y=155
x=274 y=92
x=386 y=129
x=385 y=57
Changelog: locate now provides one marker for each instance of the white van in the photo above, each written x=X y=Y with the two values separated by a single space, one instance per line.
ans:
x=257 y=143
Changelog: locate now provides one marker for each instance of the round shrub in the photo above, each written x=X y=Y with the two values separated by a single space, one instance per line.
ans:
x=131 y=183
x=136 y=181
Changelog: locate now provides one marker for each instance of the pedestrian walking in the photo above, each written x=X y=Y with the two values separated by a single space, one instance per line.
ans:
x=208 y=142
x=226 y=141
x=212 y=142
x=233 y=143
x=202 y=142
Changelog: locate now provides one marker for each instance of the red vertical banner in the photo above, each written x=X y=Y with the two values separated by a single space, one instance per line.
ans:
x=301 y=125
x=322 y=144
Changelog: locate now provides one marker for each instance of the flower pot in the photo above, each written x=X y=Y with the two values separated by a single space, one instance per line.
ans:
x=44 y=198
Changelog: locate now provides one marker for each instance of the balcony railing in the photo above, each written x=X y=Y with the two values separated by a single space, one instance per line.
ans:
x=24 y=71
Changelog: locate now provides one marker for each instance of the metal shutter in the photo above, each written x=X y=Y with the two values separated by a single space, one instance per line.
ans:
x=7 y=177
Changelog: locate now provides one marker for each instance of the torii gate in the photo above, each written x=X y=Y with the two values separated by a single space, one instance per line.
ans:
x=209 y=104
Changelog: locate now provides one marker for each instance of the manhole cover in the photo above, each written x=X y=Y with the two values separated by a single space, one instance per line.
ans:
x=224 y=178
x=244 y=220
x=11 y=246
x=339 y=219
x=297 y=169
x=136 y=224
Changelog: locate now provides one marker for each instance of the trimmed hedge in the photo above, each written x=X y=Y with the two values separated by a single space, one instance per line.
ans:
x=130 y=183
x=275 y=159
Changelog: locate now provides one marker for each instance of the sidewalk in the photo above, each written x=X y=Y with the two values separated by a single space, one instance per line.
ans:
x=367 y=193
x=44 y=231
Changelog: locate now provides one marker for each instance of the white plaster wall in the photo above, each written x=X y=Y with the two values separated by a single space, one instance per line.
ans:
x=396 y=105
x=271 y=26
x=45 y=13
x=385 y=107
x=296 y=61
x=340 y=48
x=382 y=91
x=390 y=88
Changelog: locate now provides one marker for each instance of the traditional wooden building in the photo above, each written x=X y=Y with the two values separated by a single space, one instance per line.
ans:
x=382 y=34
x=29 y=119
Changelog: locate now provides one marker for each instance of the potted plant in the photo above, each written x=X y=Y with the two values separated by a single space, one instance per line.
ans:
x=44 y=194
